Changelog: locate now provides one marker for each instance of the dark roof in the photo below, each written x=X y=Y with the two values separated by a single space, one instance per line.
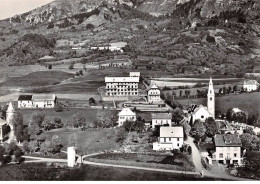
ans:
x=161 y=116
x=227 y=140
x=25 y=97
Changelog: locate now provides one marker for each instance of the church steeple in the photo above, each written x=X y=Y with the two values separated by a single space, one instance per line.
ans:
x=211 y=99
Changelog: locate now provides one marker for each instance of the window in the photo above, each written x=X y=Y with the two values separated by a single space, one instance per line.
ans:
x=170 y=139
x=178 y=144
x=221 y=155
x=202 y=117
x=210 y=98
x=178 y=139
x=164 y=139
x=235 y=154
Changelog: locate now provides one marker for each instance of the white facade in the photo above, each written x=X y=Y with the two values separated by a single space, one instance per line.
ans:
x=201 y=113
x=170 y=138
x=211 y=99
x=154 y=94
x=250 y=85
x=227 y=149
x=71 y=154
x=223 y=154
x=37 y=101
x=161 y=119
x=126 y=115
x=122 y=86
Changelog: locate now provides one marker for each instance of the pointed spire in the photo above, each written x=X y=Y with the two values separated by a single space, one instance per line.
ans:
x=10 y=108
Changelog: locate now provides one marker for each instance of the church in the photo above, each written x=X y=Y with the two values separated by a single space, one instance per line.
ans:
x=200 y=112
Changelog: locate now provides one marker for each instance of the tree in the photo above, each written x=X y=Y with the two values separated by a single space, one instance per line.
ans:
x=58 y=107
x=224 y=90
x=50 y=66
x=180 y=93
x=230 y=115
x=91 y=101
x=78 y=120
x=2 y=153
x=211 y=127
x=121 y=135
x=71 y=66
x=252 y=119
x=187 y=93
x=235 y=88
x=250 y=142
x=55 y=145
x=106 y=118
x=198 y=130
x=20 y=130
x=190 y=150
x=177 y=115
x=220 y=91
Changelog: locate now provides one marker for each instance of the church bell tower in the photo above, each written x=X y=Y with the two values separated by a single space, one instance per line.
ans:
x=211 y=99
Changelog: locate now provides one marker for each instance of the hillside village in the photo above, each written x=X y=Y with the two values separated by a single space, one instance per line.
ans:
x=131 y=87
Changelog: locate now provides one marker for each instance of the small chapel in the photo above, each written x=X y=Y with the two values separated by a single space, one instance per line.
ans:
x=201 y=112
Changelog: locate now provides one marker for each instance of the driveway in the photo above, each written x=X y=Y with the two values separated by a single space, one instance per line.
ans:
x=195 y=154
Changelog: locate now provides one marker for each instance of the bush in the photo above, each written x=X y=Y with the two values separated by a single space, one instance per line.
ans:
x=190 y=150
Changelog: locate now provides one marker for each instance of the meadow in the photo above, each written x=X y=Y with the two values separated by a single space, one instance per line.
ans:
x=66 y=115
x=40 y=172
x=89 y=141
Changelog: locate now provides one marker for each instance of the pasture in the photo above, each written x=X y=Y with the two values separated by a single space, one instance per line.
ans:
x=249 y=102
x=66 y=115
x=89 y=141
x=40 y=78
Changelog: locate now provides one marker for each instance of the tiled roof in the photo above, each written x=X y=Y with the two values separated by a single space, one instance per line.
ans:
x=154 y=87
x=121 y=79
x=25 y=97
x=227 y=140
x=126 y=112
x=161 y=116
x=43 y=97
x=171 y=131
x=251 y=82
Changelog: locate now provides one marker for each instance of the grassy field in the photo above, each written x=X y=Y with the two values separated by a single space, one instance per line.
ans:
x=41 y=78
x=246 y=101
x=40 y=172
x=91 y=140
x=177 y=162
x=65 y=116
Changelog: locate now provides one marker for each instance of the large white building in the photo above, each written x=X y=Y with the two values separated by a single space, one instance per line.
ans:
x=227 y=149
x=126 y=115
x=37 y=101
x=170 y=138
x=154 y=94
x=159 y=119
x=123 y=86
x=199 y=113
x=250 y=85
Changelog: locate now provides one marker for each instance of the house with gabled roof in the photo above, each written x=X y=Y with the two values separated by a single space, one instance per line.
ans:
x=159 y=119
x=126 y=115
x=250 y=85
x=153 y=94
x=25 y=101
x=44 y=100
x=170 y=138
x=227 y=149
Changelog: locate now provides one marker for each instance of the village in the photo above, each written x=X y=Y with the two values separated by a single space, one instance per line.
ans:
x=195 y=141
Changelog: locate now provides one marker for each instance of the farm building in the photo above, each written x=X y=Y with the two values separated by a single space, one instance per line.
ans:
x=170 y=138
x=37 y=101
x=250 y=85
x=161 y=119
